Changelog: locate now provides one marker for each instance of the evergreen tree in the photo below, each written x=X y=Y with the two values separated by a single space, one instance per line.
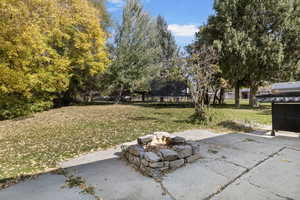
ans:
x=255 y=40
x=169 y=50
x=171 y=61
x=136 y=52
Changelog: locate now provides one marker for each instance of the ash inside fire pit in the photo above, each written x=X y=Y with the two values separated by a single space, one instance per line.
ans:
x=156 y=154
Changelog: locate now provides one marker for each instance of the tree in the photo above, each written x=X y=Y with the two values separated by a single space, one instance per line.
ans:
x=254 y=39
x=31 y=70
x=218 y=86
x=92 y=84
x=269 y=56
x=169 y=50
x=48 y=48
x=170 y=59
x=200 y=70
x=291 y=39
x=222 y=31
x=86 y=47
x=104 y=15
x=136 y=52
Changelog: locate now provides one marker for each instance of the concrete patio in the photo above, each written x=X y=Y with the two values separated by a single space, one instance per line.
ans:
x=234 y=166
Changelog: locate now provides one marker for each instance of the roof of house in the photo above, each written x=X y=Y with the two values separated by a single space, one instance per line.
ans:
x=291 y=97
x=288 y=92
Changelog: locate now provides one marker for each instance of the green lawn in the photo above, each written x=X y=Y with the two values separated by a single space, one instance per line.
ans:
x=39 y=142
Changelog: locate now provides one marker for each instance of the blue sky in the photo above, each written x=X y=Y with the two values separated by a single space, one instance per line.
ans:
x=183 y=16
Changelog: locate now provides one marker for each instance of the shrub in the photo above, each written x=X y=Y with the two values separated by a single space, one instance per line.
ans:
x=12 y=107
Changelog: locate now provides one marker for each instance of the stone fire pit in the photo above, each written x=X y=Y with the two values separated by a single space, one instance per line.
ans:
x=159 y=153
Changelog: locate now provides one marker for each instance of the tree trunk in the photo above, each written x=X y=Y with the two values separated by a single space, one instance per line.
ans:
x=237 y=95
x=143 y=97
x=64 y=100
x=222 y=97
x=215 y=97
x=199 y=109
x=206 y=98
x=89 y=97
x=252 y=98
x=119 y=97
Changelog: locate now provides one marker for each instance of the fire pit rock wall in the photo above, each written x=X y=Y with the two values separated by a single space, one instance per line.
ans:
x=159 y=153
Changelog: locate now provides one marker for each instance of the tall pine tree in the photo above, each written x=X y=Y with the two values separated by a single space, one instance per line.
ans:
x=136 y=52
x=169 y=49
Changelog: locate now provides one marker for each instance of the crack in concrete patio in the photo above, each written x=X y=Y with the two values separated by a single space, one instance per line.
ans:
x=165 y=190
x=257 y=170
x=243 y=173
x=276 y=194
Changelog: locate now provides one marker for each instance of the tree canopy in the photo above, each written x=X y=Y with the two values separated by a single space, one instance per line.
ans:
x=48 y=48
x=169 y=50
x=136 y=51
x=254 y=39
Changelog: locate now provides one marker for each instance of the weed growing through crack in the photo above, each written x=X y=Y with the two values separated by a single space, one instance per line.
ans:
x=212 y=151
x=77 y=181
x=89 y=190
x=73 y=181
x=249 y=140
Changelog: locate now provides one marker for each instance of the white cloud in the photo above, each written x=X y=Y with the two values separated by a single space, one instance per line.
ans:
x=183 y=30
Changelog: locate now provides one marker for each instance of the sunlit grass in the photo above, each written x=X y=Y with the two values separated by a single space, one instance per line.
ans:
x=41 y=141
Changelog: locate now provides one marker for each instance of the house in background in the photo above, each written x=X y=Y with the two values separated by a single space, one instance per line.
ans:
x=245 y=92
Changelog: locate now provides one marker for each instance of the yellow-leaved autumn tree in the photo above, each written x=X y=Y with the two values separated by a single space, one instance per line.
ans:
x=49 y=48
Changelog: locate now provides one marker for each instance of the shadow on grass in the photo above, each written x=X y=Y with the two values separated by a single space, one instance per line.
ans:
x=165 y=114
x=228 y=124
x=139 y=103
x=94 y=103
x=195 y=120
x=265 y=112
x=143 y=118
x=159 y=105
x=245 y=107
x=20 y=118
x=235 y=126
